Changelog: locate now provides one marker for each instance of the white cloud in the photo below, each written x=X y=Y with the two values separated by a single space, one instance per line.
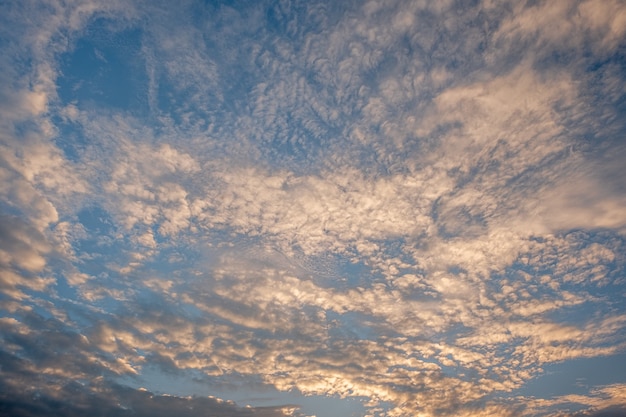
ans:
x=569 y=25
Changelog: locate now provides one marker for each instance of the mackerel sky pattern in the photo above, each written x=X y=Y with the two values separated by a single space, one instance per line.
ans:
x=377 y=208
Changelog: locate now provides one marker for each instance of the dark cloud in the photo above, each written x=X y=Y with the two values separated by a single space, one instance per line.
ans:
x=54 y=371
x=23 y=245
x=614 y=411
x=100 y=399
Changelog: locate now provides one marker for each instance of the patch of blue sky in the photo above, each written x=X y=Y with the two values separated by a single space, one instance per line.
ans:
x=576 y=376
x=453 y=332
x=82 y=316
x=185 y=106
x=111 y=295
x=99 y=247
x=96 y=221
x=339 y=272
x=289 y=152
x=40 y=309
x=356 y=326
x=69 y=139
x=243 y=390
x=105 y=70
x=191 y=311
x=172 y=262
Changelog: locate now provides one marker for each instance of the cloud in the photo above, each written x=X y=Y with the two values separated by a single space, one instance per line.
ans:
x=49 y=367
x=77 y=399
x=585 y=200
x=549 y=26
x=417 y=204
x=602 y=401
x=22 y=257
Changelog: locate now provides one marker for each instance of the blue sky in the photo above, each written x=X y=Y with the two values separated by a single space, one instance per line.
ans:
x=313 y=208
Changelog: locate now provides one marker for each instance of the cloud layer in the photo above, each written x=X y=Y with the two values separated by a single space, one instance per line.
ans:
x=416 y=205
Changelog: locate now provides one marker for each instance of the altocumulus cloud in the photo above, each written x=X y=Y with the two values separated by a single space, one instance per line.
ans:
x=298 y=208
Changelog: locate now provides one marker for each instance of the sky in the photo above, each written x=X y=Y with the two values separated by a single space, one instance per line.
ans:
x=313 y=208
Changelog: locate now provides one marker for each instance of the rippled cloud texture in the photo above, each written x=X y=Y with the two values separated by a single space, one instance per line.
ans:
x=313 y=208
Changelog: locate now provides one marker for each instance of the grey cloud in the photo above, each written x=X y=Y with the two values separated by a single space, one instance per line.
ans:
x=608 y=412
x=98 y=398
x=54 y=370
x=24 y=247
